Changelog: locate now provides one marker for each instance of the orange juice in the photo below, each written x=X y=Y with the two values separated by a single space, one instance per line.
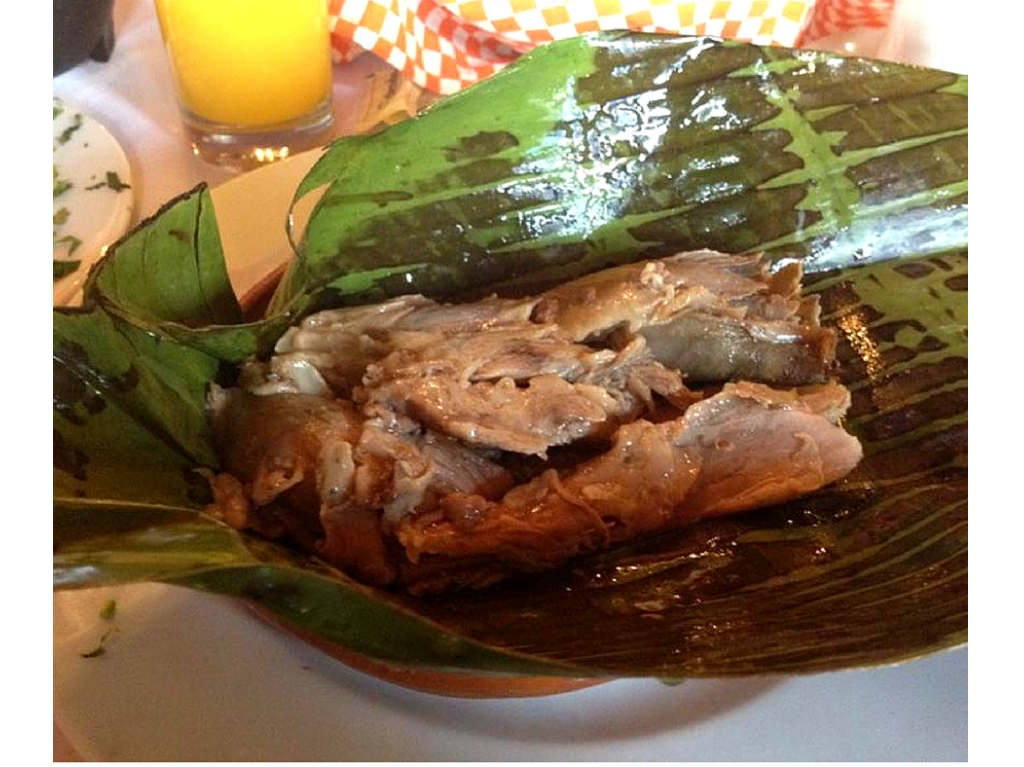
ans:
x=248 y=63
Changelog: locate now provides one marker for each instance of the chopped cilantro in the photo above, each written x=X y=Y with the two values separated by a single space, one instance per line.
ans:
x=65 y=137
x=115 y=183
x=60 y=216
x=60 y=185
x=72 y=241
x=112 y=181
x=100 y=648
x=109 y=610
x=63 y=268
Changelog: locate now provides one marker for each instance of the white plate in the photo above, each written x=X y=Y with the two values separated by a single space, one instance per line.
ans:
x=192 y=676
x=97 y=206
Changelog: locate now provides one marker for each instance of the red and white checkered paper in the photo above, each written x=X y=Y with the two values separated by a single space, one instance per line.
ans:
x=445 y=46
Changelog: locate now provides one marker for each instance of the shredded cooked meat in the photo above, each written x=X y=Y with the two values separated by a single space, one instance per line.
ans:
x=716 y=317
x=382 y=436
x=745 y=447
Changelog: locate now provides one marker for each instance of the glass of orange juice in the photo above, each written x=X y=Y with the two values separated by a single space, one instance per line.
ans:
x=253 y=77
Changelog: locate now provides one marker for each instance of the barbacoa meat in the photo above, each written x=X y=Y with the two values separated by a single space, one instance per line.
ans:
x=716 y=317
x=383 y=436
x=745 y=447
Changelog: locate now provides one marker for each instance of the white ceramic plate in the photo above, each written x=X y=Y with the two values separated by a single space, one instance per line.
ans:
x=93 y=198
x=194 y=677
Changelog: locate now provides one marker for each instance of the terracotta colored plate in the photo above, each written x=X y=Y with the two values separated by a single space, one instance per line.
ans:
x=450 y=683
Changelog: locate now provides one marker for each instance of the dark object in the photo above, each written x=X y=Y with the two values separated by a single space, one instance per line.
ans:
x=81 y=29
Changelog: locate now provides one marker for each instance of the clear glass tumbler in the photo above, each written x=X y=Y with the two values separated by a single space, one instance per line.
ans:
x=253 y=77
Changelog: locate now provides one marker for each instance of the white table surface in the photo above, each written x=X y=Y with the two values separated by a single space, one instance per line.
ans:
x=916 y=711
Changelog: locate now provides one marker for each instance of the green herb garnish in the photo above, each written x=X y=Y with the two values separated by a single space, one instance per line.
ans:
x=100 y=647
x=73 y=242
x=112 y=181
x=115 y=183
x=60 y=216
x=65 y=137
x=60 y=185
x=62 y=268
x=107 y=613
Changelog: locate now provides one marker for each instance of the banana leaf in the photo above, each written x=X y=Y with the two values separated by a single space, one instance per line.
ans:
x=180 y=246
x=587 y=152
x=604 y=148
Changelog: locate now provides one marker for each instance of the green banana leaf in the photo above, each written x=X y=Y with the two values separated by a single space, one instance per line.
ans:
x=586 y=152
x=180 y=246
x=605 y=147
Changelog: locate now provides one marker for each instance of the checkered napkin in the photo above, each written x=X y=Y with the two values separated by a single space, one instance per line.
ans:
x=444 y=46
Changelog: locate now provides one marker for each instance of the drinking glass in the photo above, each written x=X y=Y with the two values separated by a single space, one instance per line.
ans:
x=253 y=77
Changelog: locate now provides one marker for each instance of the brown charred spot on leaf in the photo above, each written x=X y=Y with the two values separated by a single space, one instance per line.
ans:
x=70 y=391
x=67 y=392
x=931 y=452
x=849 y=360
x=381 y=199
x=931 y=344
x=900 y=174
x=197 y=487
x=917 y=414
x=869 y=314
x=181 y=235
x=824 y=507
x=124 y=382
x=959 y=282
x=226 y=375
x=734 y=223
x=895 y=355
x=861 y=403
x=620 y=73
x=837 y=297
x=481 y=144
x=93 y=402
x=899 y=118
x=72 y=356
x=913 y=269
x=898 y=387
x=266 y=591
x=68 y=458
x=853 y=369
x=887 y=331
x=475 y=173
